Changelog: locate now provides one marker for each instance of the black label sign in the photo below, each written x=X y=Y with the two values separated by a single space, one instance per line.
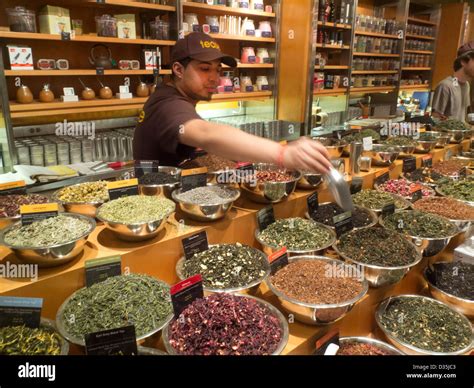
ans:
x=185 y=292
x=343 y=223
x=388 y=209
x=314 y=180
x=143 y=167
x=16 y=311
x=195 y=244
x=65 y=35
x=324 y=342
x=114 y=342
x=191 y=179
x=313 y=204
x=156 y=71
x=100 y=269
x=356 y=185
x=409 y=164
x=265 y=217
x=99 y=71
x=124 y=188
x=418 y=194
x=278 y=260
x=427 y=161
x=380 y=180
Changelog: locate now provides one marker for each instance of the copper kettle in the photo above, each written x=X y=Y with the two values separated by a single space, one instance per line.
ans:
x=103 y=60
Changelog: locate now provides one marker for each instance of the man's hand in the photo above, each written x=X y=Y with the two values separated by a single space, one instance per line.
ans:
x=306 y=155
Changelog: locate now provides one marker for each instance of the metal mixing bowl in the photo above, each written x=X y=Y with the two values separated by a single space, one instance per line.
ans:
x=7 y=221
x=381 y=157
x=335 y=147
x=426 y=144
x=372 y=341
x=206 y=213
x=455 y=136
x=52 y=255
x=442 y=140
x=309 y=180
x=273 y=311
x=163 y=190
x=312 y=313
x=439 y=190
x=424 y=187
x=88 y=209
x=407 y=204
x=405 y=347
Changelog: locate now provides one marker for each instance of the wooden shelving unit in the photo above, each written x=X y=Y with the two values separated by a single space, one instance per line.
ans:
x=135 y=4
x=421 y=21
x=223 y=10
x=356 y=54
x=373 y=89
x=376 y=34
x=416 y=68
x=243 y=38
x=78 y=72
x=335 y=25
x=332 y=67
x=332 y=46
x=331 y=92
x=415 y=87
x=374 y=72
x=420 y=37
x=419 y=52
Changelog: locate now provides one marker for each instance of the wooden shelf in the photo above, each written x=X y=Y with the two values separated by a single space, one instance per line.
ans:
x=240 y=38
x=331 y=92
x=254 y=66
x=415 y=87
x=418 y=52
x=332 y=46
x=375 y=72
x=376 y=34
x=332 y=67
x=373 y=89
x=83 y=38
x=136 y=4
x=416 y=68
x=223 y=10
x=261 y=95
x=375 y=55
x=77 y=72
x=335 y=25
x=421 y=21
x=420 y=37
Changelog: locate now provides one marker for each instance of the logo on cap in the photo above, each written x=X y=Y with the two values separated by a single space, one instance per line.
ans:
x=209 y=44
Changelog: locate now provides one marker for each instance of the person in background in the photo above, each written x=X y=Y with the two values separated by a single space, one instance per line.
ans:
x=170 y=130
x=452 y=96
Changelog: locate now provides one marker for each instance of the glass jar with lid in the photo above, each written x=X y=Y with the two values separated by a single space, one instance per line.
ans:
x=249 y=27
x=213 y=22
x=265 y=28
x=106 y=26
x=21 y=19
x=246 y=84
x=192 y=21
x=257 y=5
x=226 y=84
x=262 y=55
x=262 y=83
x=248 y=55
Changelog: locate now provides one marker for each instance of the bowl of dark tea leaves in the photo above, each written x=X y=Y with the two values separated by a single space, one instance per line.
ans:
x=419 y=325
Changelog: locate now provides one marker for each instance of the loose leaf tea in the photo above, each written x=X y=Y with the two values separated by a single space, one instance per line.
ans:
x=358 y=136
x=452 y=125
x=446 y=207
x=463 y=190
x=27 y=341
x=404 y=188
x=296 y=234
x=213 y=163
x=424 y=175
x=227 y=266
x=157 y=178
x=207 y=195
x=225 y=324
x=136 y=209
x=376 y=200
x=403 y=141
x=138 y=300
x=85 y=192
x=377 y=246
x=48 y=232
x=360 y=349
x=325 y=213
x=10 y=204
x=448 y=167
x=426 y=324
x=274 y=176
x=455 y=278
x=317 y=282
x=420 y=224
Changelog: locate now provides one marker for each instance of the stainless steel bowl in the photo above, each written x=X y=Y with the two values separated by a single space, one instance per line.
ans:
x=455 y=136
x=138 y=231
x=269 y=249
x=404 y=346
x=379 y=276
x=426 y=146
x=439 y=190
x=222 y=177
x=424 y=186
x=88 y=209
x=401 y=200
x=372 y=341
x=270 y=192
x=245 y=289
x=7 y=221
x=380 y=157
x=309 y=180
x=334 y=147
x=163 y=190
x=272 y=309
x=406 y=150
x=312 y=313
x=80 y=340
x=53 y=255
x=463 y=306
x=429 y=246
x=206 y=213
x=442 y=140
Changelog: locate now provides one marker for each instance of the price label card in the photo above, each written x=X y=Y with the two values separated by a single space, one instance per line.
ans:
x=123 y=89
x=99 y=71
x=98 y=270
x=114 y=342
x=427 y=161
x=409 y=164
x=313 y=204
x=17 y=187
x=69 y=91
x=265 y=217
x=65 y=35
x=388 y=209
x=195 y=244
x=123 y=188
x=327 y=344
x=367 y=143
x=193 y=178
x=16 y=311
x=143 y=167
x=186 y=292
x=381 y=179
x=356 y=185
x=416 y=193
x=343 y=223
x=278 y=260
x=35 y=213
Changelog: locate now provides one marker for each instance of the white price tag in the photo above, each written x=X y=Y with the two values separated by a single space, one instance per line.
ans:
x=123 y=89
x=367 y=143
x=69 y=91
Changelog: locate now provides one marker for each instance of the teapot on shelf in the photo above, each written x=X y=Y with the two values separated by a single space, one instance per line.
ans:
x=103 y=60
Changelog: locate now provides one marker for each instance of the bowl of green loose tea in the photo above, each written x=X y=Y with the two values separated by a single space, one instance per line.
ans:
x=429 y=232
x=462 y=190
x=405 y=144
x=376 y=200
x=453 y=284
x=270 y=183
x=427 y=142
x=361 y=216
x=26 y=341
x=137 y=217
x=385 y=256
x=365 y=346
x=419 y=325
x=300 y=236
x=118 y=301
x=317 y=290
x=160 y=183
x=83 y=198
x=226 y=268
x=51 y=241
x=456 y=129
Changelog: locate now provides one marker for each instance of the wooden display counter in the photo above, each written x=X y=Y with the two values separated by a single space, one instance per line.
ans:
x=158 y=257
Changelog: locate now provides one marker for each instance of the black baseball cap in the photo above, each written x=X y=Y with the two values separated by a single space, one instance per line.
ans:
x=200 y=46
x=466 y=49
